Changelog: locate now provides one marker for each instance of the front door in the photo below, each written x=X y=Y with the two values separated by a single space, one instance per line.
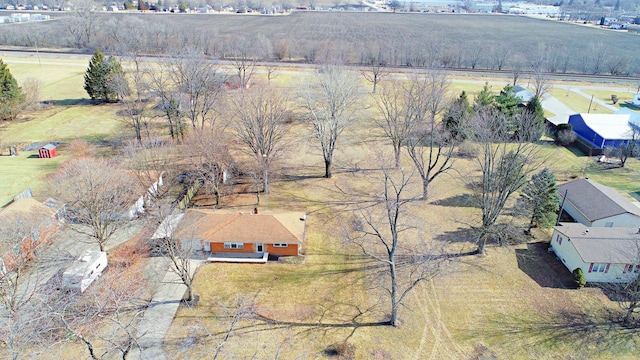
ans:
x=259 y=247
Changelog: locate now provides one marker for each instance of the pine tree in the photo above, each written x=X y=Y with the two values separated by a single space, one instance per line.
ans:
x=535 y=107
x=541 y=195
x=484 y=97
x=11 y=95
x=457 y=116
x=100 y=77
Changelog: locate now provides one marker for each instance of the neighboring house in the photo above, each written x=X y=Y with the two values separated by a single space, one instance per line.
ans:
x=139 y=203
x=603 y=254
x=593 y=204
x=242 y=236
x=522 y=93
x=600 y=131
x=32 y=221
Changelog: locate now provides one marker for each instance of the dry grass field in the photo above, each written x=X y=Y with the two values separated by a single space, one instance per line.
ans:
x=515 y=302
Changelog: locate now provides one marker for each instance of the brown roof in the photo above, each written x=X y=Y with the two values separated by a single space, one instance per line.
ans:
x=602 y=244
x=30 y=207
x=221 y=226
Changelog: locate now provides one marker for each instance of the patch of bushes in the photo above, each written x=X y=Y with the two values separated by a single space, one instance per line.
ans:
x=565 y=135
x=578 y=276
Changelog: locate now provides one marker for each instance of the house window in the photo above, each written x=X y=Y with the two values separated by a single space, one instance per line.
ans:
x=609 y=224
x=599 y=267
x=279 y=245
x=233 y=245
x=559 y=240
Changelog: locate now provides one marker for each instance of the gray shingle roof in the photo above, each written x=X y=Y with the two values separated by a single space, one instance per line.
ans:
x=596 y=201
x=602 y=244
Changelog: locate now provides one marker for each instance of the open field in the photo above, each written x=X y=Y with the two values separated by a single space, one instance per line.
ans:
x=513 y=303
x=439 y=40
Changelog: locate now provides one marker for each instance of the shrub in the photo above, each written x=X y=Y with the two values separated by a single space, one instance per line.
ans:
x=578 y=276
x=564 y=134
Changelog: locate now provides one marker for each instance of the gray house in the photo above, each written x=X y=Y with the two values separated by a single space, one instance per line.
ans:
x=593 y=204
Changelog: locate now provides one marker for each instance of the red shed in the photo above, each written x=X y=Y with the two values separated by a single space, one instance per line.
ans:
x=48 y=151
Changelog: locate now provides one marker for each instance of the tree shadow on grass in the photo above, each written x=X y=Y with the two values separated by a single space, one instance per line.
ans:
x=72 y=102
x=598 y=334
x=461 y=200
x=543 y=267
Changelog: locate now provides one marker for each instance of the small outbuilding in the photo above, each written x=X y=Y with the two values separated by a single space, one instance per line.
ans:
x=48 y=151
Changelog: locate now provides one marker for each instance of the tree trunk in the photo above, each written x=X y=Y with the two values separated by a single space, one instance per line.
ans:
x=393 y=321
x=397 y=151
x=425 y=189
x=481 y=244
x=629 y=316
x=189 y=293
x=327 y=169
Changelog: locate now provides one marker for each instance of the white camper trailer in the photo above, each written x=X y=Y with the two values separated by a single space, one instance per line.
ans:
x=84 y=271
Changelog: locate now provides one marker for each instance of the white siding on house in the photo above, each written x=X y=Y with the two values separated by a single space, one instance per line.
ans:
x=567 y=253
x=622 y=220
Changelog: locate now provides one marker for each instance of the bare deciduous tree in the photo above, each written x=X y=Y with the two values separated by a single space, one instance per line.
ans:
x=176 y=247
x=17 y=288
x=506 y=159
x=260 y=126
x=209 y=159
x=430 y=146
x=376 y=70
x=382 y=229
x=99 y=196
x=331 y=103
x=199 y=81
x=397 y=116
x=105 y=318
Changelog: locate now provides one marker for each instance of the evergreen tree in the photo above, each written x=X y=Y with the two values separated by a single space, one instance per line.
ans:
x=457 y=116
x=541 y=196
x=484 y=97
x=142 y=5
x=100 y=77
x=11 y=95
x=507 y=102
x=535 y=107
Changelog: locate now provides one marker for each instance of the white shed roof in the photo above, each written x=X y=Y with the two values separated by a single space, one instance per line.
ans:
x=609 y=126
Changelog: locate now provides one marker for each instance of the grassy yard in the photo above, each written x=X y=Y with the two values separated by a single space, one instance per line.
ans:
x=70 y=117
x=512 y=303
x=515 y=302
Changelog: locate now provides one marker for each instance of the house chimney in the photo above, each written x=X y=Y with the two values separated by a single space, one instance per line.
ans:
x=255 y=210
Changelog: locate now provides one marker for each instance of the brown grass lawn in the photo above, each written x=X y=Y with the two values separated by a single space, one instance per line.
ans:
x=512 y=303
x=515 y=302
